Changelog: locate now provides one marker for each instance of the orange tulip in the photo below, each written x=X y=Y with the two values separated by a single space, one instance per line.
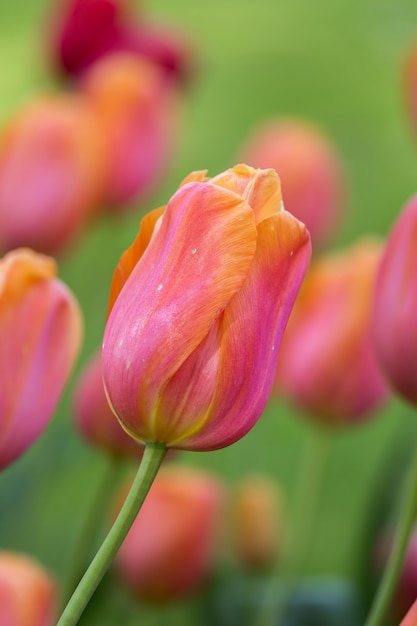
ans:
x=327 y=363
x=40 y=336
x=198 y=307
x=28 y=594
x=310 y=169
x=51 y=174
x=170 y=550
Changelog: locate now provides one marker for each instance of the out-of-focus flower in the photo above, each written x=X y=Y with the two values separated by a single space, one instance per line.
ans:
x=394 y=316
x=171 y=549
x=327 y=364
x=94 y=418
x=138 y=112
x=257 y=524
x=84 y=31
x=28 y=594
x=310 y=169
x=411 y=84
x=51 y=174
x=411 y=618
x=40 y=336
x=198 y=307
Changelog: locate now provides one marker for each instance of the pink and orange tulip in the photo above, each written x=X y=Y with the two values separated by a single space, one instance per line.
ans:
x=394 y=317
x=327 y=364
x=171 y=549
x=94 y=418
x=137 y=109
x=310 y=169
x=40 y=336
x=198 y=307
x=51 y=174
x=28 y=594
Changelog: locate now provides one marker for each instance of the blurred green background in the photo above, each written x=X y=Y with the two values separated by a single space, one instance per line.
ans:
x=338 y=63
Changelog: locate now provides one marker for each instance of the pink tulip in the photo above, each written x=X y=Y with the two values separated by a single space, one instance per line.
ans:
x=51 y=174
x=85 y=31
x=198 y=307
x=40 y=336
x=411 y=618
x=171 y=549
x=394 y=317
x=94 y=418
x=327 y=364
x=137 y=109
x=310 y=170
x=28 y=594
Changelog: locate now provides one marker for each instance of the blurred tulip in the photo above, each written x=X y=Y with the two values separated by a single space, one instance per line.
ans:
x=51 y=174
x=394 y=317
x=198 y=307
x=411 y=618
x=94 y=418
x=28 y=594
x=40 y=336
x=170 y=550
x=137 y=108
x=411 y=84
x=257 y=522
x=327 y=363
x=84 y=31
x=310 y=170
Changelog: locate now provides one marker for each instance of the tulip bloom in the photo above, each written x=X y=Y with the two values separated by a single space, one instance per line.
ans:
x=394 y=317
x=85 y=31
x=310 y=170
x=411 y=618
x=198 y=307
x=94 y=418
x=327 y=363
x=136 y=107
x=28 y=594
x=40 y=336
x=51 y=174
x=257 y=522
x=171 y=548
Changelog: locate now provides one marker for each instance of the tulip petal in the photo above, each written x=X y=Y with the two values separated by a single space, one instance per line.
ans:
x=177 y=279
x=252 y=329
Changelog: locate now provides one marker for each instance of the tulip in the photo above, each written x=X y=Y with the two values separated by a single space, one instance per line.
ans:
x=411 y=618
x=257 y=522
x=28 y=594
x=85 y=31
x=94 y=418
x=411 y=84
x=51 y=174
x=327 y=364
x=198 y=307
x=310 y=169
x=171 y=549
x=394 y=316
x=40 y=336
x=136 y=107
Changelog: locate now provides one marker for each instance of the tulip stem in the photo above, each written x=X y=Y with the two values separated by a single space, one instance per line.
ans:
x=152 y=459
x=90 y=523
x=380 y=606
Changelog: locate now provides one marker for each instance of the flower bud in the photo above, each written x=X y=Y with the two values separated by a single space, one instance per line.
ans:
x=40 y=336
x=394 y=315
x=28 y=594
x=327 y=364
x=170 y=550
x=198 y=307
x=310 y=169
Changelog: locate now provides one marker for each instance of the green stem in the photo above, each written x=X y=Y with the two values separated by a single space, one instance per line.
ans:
x=148 y=469
x=392 y=571
x=91 y=522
